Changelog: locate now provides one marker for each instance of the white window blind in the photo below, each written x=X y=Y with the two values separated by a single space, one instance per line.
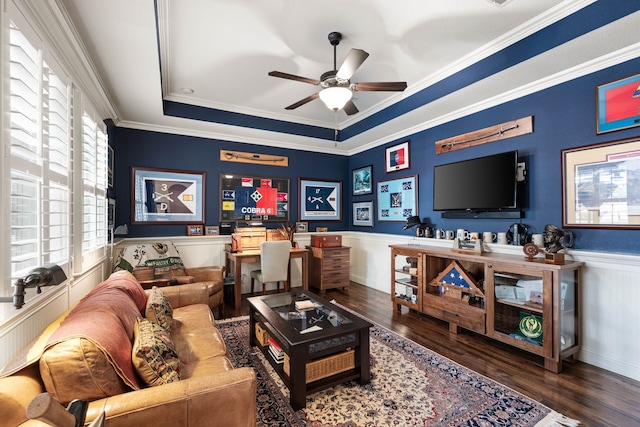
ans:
x=94 y=180
x=40 y=154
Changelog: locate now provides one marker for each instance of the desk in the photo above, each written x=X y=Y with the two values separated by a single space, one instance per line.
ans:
x=254 y=256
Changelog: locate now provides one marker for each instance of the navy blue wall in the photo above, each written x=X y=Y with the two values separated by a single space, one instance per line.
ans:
x=159 y=150
x=564 y=117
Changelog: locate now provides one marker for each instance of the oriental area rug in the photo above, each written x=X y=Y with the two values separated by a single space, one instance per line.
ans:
x=410 y=386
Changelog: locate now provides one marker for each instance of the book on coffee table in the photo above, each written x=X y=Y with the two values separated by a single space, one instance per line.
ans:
x=304 y=305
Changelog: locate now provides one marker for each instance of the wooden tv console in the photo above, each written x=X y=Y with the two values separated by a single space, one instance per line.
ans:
x=530 y=304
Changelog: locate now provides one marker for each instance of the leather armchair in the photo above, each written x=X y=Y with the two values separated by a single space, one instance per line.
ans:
x=165 y=259
x=212 y=277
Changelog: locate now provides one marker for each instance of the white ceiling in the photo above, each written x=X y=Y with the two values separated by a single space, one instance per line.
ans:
x=223 y=50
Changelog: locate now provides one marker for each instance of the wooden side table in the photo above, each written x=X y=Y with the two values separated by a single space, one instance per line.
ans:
x=329 y=268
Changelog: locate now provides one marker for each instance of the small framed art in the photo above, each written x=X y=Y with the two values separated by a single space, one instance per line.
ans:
x=212 y=230
x=362 y=180
x=618 y=104
x=363 y=214
x=194 y=230
x=302 y=227
x=397 y=157
x=110 y=163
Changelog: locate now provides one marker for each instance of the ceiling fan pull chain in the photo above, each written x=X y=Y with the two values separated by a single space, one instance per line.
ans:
x=335 y=133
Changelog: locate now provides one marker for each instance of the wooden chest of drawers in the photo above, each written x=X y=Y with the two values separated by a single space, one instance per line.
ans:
x=329 y=268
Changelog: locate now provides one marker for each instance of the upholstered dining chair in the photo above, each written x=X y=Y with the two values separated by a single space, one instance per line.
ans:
x=274 y=264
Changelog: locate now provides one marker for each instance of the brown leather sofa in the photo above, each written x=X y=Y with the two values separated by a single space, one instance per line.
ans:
x=210 y=391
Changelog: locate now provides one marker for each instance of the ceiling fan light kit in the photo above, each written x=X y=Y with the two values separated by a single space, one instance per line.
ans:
x=337 y=89
x=335 y=97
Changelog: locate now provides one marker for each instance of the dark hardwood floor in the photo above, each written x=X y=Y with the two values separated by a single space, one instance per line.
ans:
x=594 y=396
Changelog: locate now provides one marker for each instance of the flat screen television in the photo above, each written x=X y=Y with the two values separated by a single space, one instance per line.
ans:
x=479 y=185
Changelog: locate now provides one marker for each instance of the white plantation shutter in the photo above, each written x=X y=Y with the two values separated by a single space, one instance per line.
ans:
x=94 y=181
x=26 y=152
x=40 y=155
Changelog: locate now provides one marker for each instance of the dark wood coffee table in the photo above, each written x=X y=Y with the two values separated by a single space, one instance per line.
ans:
x=323 y=346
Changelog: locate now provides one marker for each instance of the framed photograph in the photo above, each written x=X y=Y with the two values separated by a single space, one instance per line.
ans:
x=167 y=196
x=194 y=230
x=600 y=185
x=320 y=200
x=362 y=180
x=322 y=229
x=302 y=227
x=212 y=230
x=363 y=214
x=618 y=104
x=110 y=164
x=397 y=157
x=398 y=198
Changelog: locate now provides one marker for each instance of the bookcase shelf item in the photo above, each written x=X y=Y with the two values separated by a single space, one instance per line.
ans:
x=529 y=304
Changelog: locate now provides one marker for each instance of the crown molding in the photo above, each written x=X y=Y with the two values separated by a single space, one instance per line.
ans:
x=52 y=22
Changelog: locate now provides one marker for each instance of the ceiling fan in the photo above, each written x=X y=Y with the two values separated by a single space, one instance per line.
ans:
x=337 y=88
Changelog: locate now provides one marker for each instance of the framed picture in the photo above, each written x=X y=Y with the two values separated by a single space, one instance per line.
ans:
x=600 y=185
x=253 y=198
x=398 y=198
x=111 y=214
x=363 y=214
x=110 y=164
x=322 y=229
x=320 y=200
x=167 y=196
x=212 y=230
x=397 y=157
x=362 y=180
x=194 y=230
x=302 y=227
x=618 y=104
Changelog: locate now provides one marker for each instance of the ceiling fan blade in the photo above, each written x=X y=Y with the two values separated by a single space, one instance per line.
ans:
x=293 y=77
x=351 y=63
x=350 y=108
x=302 y=102
x=379 y=86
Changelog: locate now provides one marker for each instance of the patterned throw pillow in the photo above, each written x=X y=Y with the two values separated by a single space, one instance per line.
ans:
x=159 y=308
x=154 y=355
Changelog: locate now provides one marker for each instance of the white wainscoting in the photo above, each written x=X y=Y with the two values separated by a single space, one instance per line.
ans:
x=610 y=293
x=610 y=290
x=33 y=318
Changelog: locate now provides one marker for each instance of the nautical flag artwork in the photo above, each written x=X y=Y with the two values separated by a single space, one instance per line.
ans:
x=456 y=277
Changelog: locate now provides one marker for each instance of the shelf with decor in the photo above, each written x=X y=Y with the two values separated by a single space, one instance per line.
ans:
x=527 y=303
x=406 y=278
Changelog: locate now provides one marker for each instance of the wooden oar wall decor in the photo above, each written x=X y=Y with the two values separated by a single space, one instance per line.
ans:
x=242 y=157
x=490 y=134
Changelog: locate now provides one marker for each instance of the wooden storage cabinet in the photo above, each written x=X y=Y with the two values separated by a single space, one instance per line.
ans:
x=329 y=267
x=531 y=305
x=541 y=314
x=457 y=314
